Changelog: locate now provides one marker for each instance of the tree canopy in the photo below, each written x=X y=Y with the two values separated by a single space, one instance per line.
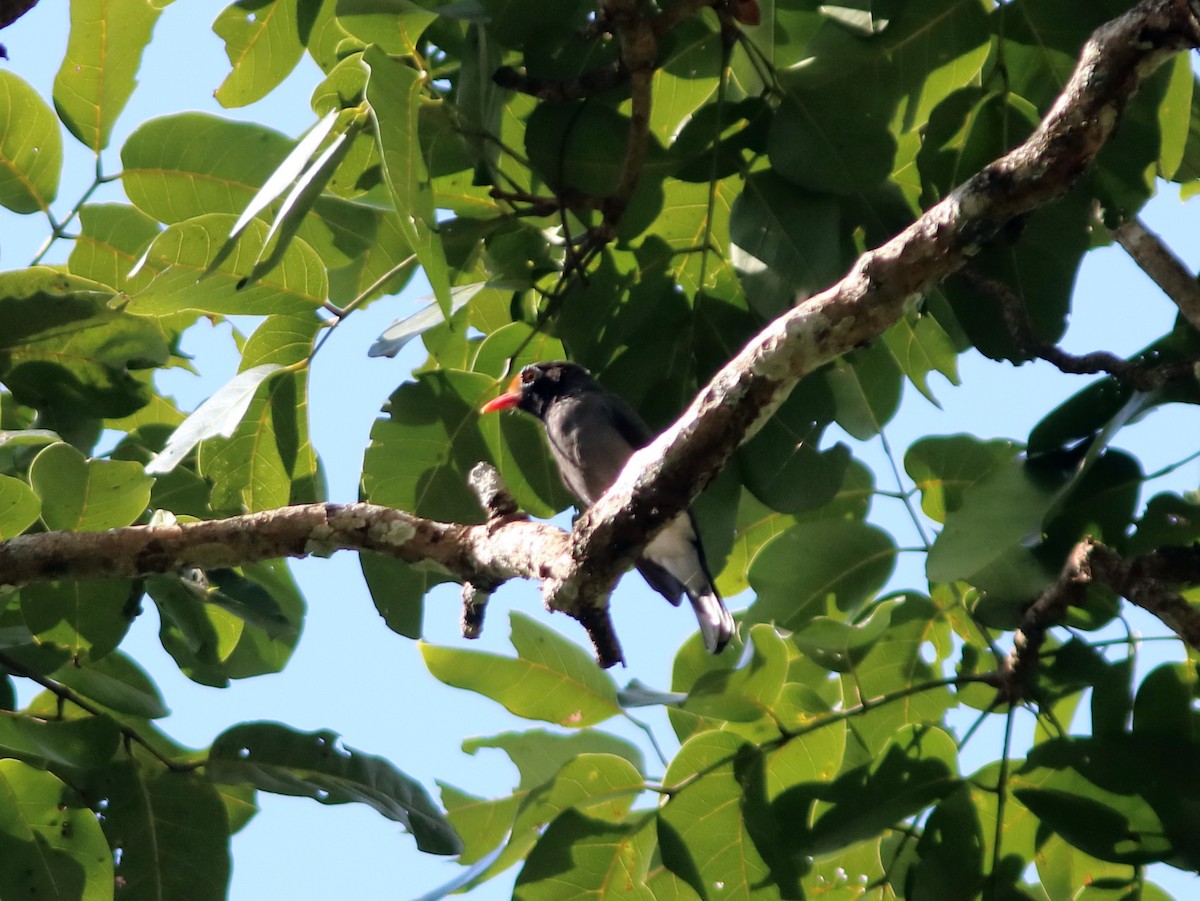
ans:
x=759 y=222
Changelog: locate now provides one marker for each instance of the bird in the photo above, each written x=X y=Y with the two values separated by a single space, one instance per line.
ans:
x=592 y=433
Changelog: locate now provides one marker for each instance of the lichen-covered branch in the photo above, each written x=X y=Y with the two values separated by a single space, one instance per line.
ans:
x=665 y=476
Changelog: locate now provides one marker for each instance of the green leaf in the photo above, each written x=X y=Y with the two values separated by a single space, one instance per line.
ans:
x=819 y=568
x=605 y=860
x=1174 y=115
x=393 y=92
x=186 y=165
x=63 y=350
x=785 y=241
x=950 y=850
x=831 y=132
x=399 y=590
x=220 y=414
x=235 y=635
x=181 y=257
x=76 y=744
x=420 y=455
x=943 y=467
x=30 y=147
x=866 y=386
x=702 y=833
x=832 y=643
x=88 y=619
x=539 y=755
x=81 y=495
x=264 y=41
x=97 y=76
x=171 y=830
x=917 y=768
x=112 y=238
x=920 y=346
x=274 y=758
x=551 y=679
x=987 y=541
x=394 y=25
x=748 y=692
x=118 y=683
x=19 y=507
x=62 y=852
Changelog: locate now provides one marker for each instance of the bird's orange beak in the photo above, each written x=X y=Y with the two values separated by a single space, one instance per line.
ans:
x=504 y=401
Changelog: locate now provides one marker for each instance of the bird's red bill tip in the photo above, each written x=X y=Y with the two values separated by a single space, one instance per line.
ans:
x=503 y=402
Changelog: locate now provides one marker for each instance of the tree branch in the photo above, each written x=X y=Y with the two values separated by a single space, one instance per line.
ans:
x=663 y=478
x=1168 y=271
x=1145 y=580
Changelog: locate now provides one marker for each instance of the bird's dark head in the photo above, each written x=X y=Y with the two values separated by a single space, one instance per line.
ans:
x=539 y=385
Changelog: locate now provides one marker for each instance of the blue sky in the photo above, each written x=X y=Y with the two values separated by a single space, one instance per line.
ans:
x=351 y=674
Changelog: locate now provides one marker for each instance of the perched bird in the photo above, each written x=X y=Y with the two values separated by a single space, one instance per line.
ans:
x=592 y=434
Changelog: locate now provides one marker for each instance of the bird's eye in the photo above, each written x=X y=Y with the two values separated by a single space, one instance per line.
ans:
x=527 y=376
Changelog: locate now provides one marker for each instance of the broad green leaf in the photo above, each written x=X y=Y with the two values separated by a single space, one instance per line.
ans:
x=117 y=682
x=86 y=618
x=112 y=238
x=398 y=590
x=934 y=47
x=98 y=74
x=393 y=25
x=62 y=852
x=181 y=257
x=172 y=831
x=551 y=679
x=831 y=132
x=484 y=825
x=539 y=755
x=420 y=455
x=218 y=415
x=20 y=507
x=920 y=346
x=275 y=758
x=393 y=92
x=833 y=643
x=269 y=461
x=748 y=692
x=918 y=768
x=866 y=386
x=897 y=664
x=950 y=850
x=225 y=628
x=942 y=467
x=188 y=165
x=987 y=541
x=1174 y=115
x=64 y=351
x=702 y=833
x=817 y=569
x=82 y=495
x=606 y=860
x=78 y=744
x=784 y=241
x=264 y=41
x=603 y=786
x=30 y=147
x=185 y=165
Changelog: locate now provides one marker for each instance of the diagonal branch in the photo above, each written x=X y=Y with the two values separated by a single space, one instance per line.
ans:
x=664 y=477
x=1168 y=271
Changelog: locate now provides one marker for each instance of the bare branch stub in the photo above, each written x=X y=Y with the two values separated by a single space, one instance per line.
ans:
x=1166 y=269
